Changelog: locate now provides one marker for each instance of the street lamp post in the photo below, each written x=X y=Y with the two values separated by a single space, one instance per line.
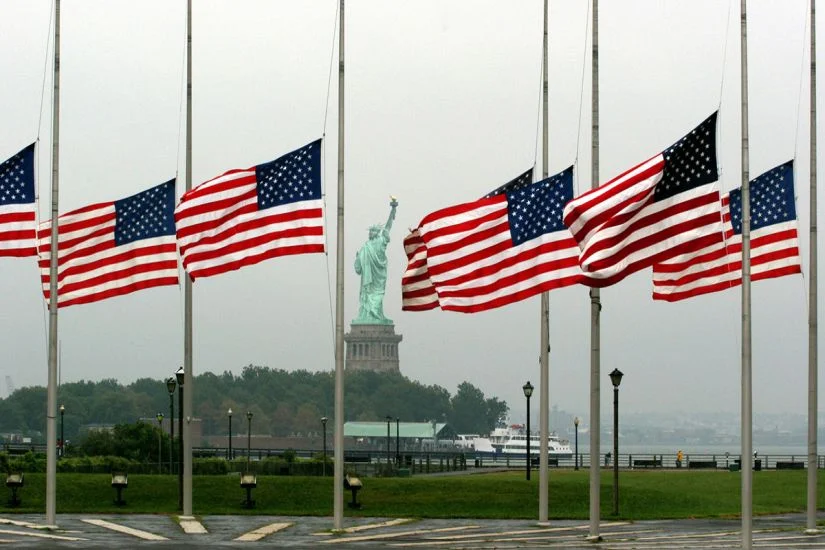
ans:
x=389 y=419
x=62 y=433
x=616 y=379
x=160 y=442
x=397 y=444
x=179 y=377
x=528 y=391
x=248 y=437
x=171 y=386
x=229 y=449
x=324 y=424
x=576 y=424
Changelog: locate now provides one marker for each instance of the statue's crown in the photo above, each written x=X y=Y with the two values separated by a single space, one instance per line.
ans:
x=377 y=227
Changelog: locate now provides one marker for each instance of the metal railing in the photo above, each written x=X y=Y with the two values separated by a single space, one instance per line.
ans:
x=449 y=460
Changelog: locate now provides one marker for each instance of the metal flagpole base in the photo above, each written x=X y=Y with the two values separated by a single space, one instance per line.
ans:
x=543 y=523
x=594 y=538
x=813 y=531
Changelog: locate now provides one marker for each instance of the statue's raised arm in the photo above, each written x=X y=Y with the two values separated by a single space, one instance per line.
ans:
x=391 y=217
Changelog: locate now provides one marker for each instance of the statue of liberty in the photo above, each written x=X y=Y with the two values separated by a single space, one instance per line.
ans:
x=371 y=265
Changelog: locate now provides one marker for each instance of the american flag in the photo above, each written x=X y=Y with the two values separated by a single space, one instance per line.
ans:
x=17 y=207
x=113 y=248
x=774 y=244
x=417 y=290
x=665 y=206
x=243 y=217
x=503 y=248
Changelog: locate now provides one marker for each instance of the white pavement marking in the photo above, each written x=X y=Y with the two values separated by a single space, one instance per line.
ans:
x=709 y=543
x=191 y=526
x=123 y=529
x=551 y=535
x=261 y=532
x=19 y=523
x=357 y=528
x=398 y=534
x=721 y=534
x=790 y=544
x=798 y=536
x=528 y=531
x=38 y=535
x=566 y=538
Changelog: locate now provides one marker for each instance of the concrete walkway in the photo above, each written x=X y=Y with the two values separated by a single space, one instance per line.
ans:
x=160 y=531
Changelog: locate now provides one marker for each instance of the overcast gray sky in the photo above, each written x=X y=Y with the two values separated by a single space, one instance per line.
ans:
x=442 y=105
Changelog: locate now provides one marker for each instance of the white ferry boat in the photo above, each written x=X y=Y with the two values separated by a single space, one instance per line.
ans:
x=513 y=440
x=474 y=442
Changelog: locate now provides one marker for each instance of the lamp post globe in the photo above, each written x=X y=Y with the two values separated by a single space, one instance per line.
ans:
x=528 y=391
x=616 y=377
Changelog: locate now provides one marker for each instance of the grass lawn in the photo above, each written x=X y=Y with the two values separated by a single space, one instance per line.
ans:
x=643 y=495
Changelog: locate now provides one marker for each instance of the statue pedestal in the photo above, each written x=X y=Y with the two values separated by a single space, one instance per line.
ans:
x=372 y=347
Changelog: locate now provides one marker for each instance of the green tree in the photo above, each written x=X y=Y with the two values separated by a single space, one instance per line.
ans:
x=307 y=419
x=282 y=401
x=472 y=412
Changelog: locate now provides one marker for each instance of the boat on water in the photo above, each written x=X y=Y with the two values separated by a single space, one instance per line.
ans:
x=512 y=439
x=474 y=442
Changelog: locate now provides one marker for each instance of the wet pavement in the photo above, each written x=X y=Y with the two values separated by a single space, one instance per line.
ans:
x=162 y=531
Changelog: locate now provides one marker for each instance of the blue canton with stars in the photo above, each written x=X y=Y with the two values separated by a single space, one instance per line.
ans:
x=293 y=177
x=17 y=178
x=535 y=209
x=690 y=162
x=771 y=198
x=148 y=214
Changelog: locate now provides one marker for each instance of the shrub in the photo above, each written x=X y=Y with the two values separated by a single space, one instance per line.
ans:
x=29 y=462
x=102 y=464
x=210 y=466
x=271 y=466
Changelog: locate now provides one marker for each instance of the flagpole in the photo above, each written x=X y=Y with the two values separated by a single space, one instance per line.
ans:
x=187 y=292
x=51 y=397
x=747 y=385
x=338 y=469
x=544 y=394
x=595 y=307
x=813 y=462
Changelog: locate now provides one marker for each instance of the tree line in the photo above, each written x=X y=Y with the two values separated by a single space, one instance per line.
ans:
x=283 y=403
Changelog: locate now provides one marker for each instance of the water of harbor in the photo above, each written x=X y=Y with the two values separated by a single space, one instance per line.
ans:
x=697 y=448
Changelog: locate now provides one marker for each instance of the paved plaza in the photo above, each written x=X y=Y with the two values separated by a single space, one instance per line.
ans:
x=161 y=531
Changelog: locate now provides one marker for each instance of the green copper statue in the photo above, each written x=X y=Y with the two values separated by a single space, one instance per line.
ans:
x=371 y=265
